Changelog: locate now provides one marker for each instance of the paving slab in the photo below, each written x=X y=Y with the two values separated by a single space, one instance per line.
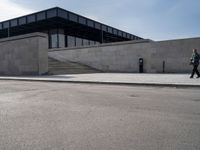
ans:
x=117 y=78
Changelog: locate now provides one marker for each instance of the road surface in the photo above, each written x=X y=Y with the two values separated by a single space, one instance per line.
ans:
x=63 y=116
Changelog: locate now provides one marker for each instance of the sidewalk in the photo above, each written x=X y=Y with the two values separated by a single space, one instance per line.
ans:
x=173 y=80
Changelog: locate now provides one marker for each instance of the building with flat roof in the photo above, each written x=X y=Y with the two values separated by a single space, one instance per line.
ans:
x=56 y=41
x=64 y=29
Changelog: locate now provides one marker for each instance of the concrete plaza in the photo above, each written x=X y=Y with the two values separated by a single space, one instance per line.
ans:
x=65 y=116
x=174 y=80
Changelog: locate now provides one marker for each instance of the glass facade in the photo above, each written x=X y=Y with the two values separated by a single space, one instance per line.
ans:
x=115 y=31
x=71 y=41
x=31 y=19
x=90 y=23
x=82 y=20
x=51 y=13
x=124 y=34
x=104 y=28
x=109 y=29
x=120 y=33
x=40 y=16
x=73 y=17
x=61 y=38
x=22 y=21
x=97 y=25
x=6 y=24
x=65 y=29
x=53 y=38
x=56 y=38
x=62 y=13
x=78 y=42
x=13 y=23
x=85 y=42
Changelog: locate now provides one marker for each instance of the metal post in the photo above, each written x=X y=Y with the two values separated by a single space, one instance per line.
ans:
x=102 y=36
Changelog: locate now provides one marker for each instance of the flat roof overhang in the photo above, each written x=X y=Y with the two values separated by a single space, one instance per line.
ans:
x=72 y=23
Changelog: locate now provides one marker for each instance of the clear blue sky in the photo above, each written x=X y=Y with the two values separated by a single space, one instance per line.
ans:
x=153 y=19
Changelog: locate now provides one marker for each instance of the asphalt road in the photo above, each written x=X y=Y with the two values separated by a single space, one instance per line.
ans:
x=63 y=116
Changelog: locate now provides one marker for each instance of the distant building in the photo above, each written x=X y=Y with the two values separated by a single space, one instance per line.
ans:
x=64 y=28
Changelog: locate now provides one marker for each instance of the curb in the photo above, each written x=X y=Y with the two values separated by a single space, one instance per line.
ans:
x=105 y=83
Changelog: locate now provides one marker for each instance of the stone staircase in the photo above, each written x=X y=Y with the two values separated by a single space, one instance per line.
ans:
x=57 y=67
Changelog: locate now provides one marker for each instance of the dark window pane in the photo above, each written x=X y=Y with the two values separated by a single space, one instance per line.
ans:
x=1 y=26
x=97 y=25
x=61 y=38
x=54 y=41
x=129 y=36
x=115 y=31
x=57 y=38
x=124 y=34
x=82 y=20
x=53 y=38
x=73 y=17
x=90 y=23
x=62 y=14
x=31 y=18
x=109 y=29
x=120 y=33
x=85 y=42
x=13 y=23
x=51 y=13
x=41 y=16
x=104 y=28
x=6 y=24
x=78 y=42
x=71 y=41
x=22 y=21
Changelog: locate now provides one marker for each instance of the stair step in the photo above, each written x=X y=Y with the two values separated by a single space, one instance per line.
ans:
x=58 y=67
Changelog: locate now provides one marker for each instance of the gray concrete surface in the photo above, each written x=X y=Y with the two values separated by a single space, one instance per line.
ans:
x=57 y=116
x=27 y=55
x=124 y=56
x=24 y=55
x=176 y=80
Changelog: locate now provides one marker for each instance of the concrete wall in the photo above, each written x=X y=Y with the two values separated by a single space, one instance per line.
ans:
x=123 y=56
x=24 y=55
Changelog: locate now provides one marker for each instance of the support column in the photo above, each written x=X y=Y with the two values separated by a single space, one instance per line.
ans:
x=8 y=31
x=102 y=39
